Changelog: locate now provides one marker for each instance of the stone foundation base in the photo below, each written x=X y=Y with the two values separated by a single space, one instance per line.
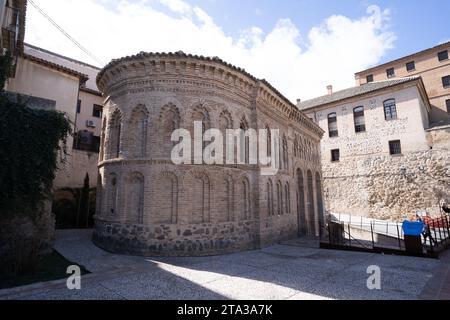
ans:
x=173 y=240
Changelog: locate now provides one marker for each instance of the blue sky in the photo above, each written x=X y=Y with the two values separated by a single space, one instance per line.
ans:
x=417 y=24
x=299 y=46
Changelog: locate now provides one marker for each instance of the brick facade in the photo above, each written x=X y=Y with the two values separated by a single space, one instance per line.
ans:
x=149 y=206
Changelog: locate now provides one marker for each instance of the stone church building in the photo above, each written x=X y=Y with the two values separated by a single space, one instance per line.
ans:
x=149 y=206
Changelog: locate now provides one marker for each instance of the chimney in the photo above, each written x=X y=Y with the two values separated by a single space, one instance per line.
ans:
x=330 y=89
x=299 y=101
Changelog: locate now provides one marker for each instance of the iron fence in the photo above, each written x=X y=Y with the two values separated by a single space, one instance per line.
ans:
x=383 y=236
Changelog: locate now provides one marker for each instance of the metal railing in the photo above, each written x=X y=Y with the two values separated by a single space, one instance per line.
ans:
x=378 y=235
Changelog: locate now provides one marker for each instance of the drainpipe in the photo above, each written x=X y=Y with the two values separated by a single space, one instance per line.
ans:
x=76 y=111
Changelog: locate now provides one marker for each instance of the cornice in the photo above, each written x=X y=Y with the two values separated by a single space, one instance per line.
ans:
x=214 y=73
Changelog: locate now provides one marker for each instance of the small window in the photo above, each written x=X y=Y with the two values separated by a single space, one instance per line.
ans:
x=446 y=81
x=447 y=102
x=410 y=66
x=86 y=141
x=395 y=147
x=360 y=123
x=390 y=109
x=369 y=78
x=79 y=106
x=390 y=72
x=335 y=155
x=97 y=111
x=443 y=55
x=332 y=125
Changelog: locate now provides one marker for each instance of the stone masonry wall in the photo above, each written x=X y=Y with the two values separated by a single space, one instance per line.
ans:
x=375 y=186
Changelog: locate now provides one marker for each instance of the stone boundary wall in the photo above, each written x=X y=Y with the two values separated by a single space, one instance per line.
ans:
x=374 y=186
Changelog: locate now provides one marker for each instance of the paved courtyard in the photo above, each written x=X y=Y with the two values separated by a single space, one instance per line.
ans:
x=293 y=270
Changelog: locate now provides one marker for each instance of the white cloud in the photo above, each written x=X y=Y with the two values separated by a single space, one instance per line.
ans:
x=178 y=6
x=333 y=51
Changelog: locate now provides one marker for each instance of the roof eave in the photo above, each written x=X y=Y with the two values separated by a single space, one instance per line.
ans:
x=82 y=77
x=306 y=110
x=442 y=45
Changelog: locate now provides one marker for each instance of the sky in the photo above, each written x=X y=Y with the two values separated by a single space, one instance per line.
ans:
x=299 y=46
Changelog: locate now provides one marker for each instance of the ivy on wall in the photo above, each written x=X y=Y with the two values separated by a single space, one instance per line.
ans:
x=30 y=141
x=5 y=66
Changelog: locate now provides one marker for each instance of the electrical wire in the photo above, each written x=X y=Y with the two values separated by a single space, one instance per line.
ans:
x=67 y=35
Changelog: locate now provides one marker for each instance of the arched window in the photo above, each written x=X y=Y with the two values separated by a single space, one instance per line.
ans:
x=287 y=197
x=310 y=204
x=167 y=189
x=224 y=200
x=113 y=190
x=136 y=198
x=319 y=199
x=279 y=198
x=201 y=194
x=270 y=198
x=390 y=109
x=244 y=142
x=115 y=132
x=269 y=142
x=229 y=195
x=332 y=125
x=200 y=114
x=285 y=154
x=138 y=132
x=102 y=141
x=360 y=122
x=225 y=123
x=99 y=200
x=245 y=210
x=169 y=121
x=301 y=203
x=296 y=147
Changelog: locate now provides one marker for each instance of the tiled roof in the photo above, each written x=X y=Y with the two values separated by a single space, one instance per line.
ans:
x=353 y=92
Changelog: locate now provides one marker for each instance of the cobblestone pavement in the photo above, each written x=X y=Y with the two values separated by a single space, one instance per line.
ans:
x=438 y=288
x=292 y=270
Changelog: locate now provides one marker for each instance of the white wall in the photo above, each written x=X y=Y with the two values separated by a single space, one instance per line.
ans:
x=408 y=127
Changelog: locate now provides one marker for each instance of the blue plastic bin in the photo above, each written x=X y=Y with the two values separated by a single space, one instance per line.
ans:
x=412 y=228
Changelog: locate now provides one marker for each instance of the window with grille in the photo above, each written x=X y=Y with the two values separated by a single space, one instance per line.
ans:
x=358 y=115
x=443 y=55
x=390 y=72
x=335 y=155
x=332 y=125
x=97 y=111
x=410 y=66
x=86 y=141
x=446 y=81
x=395 y=147
x=369 y=78
x=390 y=109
